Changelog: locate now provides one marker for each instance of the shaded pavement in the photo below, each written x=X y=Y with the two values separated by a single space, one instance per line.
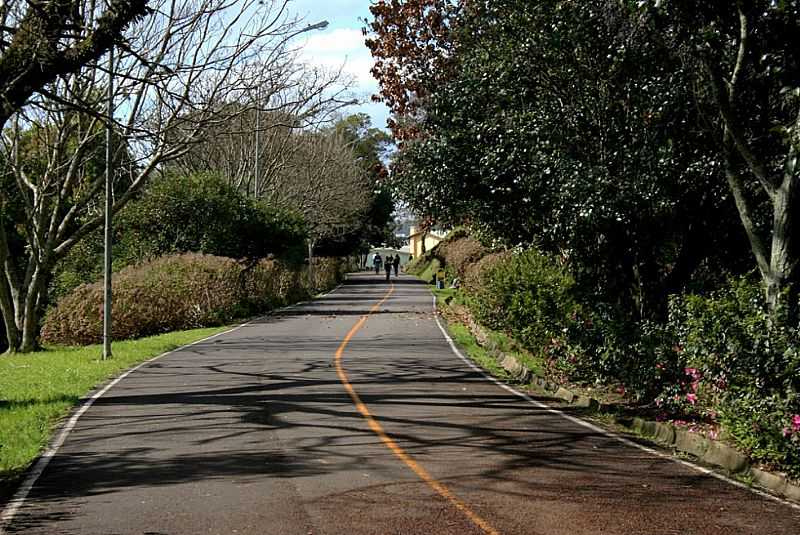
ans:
x=253 y=432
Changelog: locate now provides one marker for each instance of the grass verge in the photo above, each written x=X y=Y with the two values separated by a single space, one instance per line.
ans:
x=505 y=343
x=38 y=389
x=463 y=337
x=482 y=358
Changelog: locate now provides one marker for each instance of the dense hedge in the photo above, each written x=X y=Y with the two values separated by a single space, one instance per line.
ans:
x=458 y=254
x=180 y=214
x=182 y=292
x=526 y=294
x=716 y=360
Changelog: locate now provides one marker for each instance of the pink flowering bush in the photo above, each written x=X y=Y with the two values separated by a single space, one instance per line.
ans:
x=744 y=367
x=680 y=398
x=767 y=428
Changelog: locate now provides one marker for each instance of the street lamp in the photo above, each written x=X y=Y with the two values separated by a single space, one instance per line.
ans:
x=108 y=207
x=257 y=175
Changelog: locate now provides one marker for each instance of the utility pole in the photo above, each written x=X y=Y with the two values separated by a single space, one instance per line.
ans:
x=257 y=172
x=109 y=204
x=258 y=141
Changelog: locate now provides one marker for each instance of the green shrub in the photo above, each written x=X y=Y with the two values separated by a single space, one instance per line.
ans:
x=203 y=213
x=527 y=294
x=182 y=214
x=182 y=292
x=767 y=428
x=749 y=369
x=728 y=336
x=421 y=264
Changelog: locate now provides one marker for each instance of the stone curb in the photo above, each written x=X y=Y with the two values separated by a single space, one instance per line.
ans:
x=706 y=450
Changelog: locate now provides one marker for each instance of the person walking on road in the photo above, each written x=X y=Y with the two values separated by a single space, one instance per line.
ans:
x=376 y=263
x=396 y=264
x=388 y=266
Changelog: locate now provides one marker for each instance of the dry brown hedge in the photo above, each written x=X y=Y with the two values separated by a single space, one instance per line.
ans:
x=182 y=292
x=473 y=276
x=460 y=253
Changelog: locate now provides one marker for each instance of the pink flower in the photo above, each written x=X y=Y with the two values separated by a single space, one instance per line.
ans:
x=693 y=372
x=691 y=398
x=796 y=423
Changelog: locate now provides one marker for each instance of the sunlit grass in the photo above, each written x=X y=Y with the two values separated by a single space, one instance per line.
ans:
x=504 y=343
x=38 y=389
x=482 y=358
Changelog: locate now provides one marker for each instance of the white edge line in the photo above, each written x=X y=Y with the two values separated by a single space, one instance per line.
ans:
x=596 y=429
x=19 y=497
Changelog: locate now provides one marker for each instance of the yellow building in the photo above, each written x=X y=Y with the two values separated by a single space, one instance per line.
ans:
x=416 y=239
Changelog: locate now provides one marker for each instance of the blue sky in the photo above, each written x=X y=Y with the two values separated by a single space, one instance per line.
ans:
x=342 y=43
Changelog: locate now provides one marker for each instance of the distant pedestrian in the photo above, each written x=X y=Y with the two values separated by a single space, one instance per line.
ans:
x=388 y=266
x=377 y=261
x=396 y=264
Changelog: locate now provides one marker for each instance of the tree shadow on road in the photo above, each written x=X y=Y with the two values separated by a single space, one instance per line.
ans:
x=250 y=408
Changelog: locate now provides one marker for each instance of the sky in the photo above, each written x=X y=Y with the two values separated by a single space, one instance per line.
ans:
x=342 y=44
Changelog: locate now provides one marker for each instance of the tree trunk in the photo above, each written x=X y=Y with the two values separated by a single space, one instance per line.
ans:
x=13 y=336
x=27 y=317
x=781 y=284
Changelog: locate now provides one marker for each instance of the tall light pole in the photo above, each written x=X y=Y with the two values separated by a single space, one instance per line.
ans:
x=257 y=172
x=108 y=206
x=257 y=176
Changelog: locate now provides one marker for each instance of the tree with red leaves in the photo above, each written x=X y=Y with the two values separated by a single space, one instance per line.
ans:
x=413 y=46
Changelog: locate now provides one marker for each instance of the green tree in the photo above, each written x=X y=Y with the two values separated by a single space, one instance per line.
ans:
x=569 y=125
x=187 y=213
x=745 y=59
x=371 y=147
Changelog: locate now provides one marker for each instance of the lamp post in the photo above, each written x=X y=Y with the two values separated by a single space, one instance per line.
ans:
x=108 y=207
x=257 y=172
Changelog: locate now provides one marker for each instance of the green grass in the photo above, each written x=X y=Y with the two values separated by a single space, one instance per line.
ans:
x=460 y=333
x=38 y=389
x=505 y=343
x=511 y=347
x=445 y=294
x=430 y=270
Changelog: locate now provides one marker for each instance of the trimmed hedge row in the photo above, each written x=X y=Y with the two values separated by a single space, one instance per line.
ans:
x=183 y=292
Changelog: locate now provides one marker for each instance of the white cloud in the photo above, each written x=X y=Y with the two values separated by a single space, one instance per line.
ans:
x=341 y=48
x=338 y=41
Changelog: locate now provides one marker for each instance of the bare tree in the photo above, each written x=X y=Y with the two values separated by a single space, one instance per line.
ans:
x=179 y=73
x=295 y=98
x=324 y=182
x=40 y=41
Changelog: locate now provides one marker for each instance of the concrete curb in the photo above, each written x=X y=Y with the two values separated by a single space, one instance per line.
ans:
x=706 y=450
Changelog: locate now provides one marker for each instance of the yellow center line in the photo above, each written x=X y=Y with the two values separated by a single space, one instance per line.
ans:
x=388 y=441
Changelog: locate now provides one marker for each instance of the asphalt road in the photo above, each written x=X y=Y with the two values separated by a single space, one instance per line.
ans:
x=316 y=421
